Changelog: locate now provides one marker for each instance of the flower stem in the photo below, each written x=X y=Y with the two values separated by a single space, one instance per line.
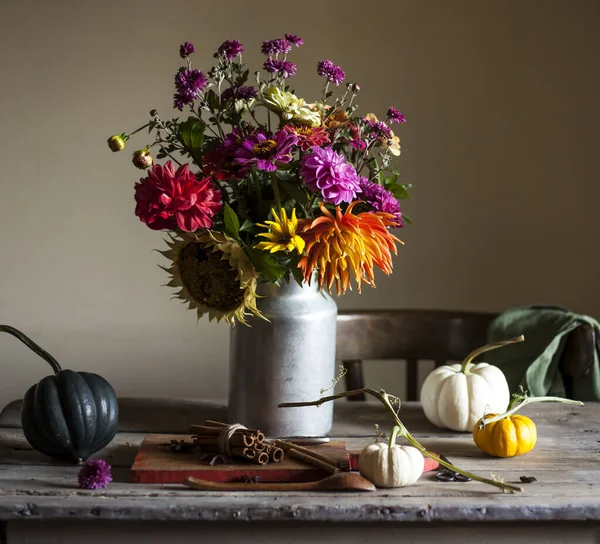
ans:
x=137 y=130
x=275 y=186
x=522 y=400
x=402 y=431
x=488 y=347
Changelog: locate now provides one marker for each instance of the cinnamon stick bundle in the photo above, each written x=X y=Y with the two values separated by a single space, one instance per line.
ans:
x=247 y=444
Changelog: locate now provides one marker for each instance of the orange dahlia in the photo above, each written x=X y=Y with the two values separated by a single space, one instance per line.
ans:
x=347 y=243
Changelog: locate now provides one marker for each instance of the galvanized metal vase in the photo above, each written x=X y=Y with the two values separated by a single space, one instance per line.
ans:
x=291 y=358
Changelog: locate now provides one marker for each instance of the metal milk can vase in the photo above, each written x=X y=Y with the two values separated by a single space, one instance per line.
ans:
x=289 y=358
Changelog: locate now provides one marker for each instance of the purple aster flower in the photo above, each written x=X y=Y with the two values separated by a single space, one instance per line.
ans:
x=327 y=171
x=271 y=65
x=230 y=49
x=241 y=93
x=94 y=474
x=266 y=150
x=275 y=47
x=283 y=68
x=332 y=72
x=294 y=40
x=380 y=199
x=378 y=129
x=287 y=69
x=188 y=84
x=246 y=92
x=394 y=116
x=186 y=50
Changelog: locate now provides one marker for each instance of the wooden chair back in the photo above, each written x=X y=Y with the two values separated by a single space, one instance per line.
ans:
x=439 y=335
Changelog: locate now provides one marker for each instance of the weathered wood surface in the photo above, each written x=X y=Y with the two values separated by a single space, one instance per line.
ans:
x=565 y=462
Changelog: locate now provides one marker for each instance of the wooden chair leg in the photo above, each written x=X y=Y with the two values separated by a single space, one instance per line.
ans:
x=412 y=376
x=354 y=378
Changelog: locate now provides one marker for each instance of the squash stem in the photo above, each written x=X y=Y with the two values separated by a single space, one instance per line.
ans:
x=520 y=400
x=393 y=436
x=32 y=346
x=466 y=364
x=402 y=431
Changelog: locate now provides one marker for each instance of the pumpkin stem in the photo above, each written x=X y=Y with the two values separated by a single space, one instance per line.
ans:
x=395 y=432
x=519 y=400
x=32 y=346
x=402 y=431
x=488 y=347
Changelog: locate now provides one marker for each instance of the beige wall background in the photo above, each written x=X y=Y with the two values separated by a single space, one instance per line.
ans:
x=502 y=142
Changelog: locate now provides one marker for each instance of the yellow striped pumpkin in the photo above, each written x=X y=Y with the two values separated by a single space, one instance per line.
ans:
x=507 y=437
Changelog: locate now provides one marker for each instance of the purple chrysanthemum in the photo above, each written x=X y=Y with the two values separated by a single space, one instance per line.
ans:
x=230 y=49
x=326 y=171
x=294 y=40
x=284 y=68
x=188 y=86
x=394 y=116
x=271 y=65
x=244 y=92
x=332 y=72
x=186 y=50
x=380 y=199
x=265 y=151
x=94 y=474
x=377 y=129
x=275 y=47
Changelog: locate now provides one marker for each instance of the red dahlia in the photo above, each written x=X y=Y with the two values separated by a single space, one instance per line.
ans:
x=169 y=199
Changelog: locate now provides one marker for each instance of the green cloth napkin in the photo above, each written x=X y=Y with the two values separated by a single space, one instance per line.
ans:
x=533 y=363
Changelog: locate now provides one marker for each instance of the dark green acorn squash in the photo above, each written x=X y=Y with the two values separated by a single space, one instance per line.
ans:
x=70 y=415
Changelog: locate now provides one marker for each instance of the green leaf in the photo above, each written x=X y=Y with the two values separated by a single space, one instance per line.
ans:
x=249 y=226
x=407 y=219
x=265 y=265
x=294 y=191
x=212 y=100
x=191 y=135
x=232 y=223
x=399 y=191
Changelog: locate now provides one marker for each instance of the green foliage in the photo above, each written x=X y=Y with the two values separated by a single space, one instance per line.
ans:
x=232 y=223
x=191 y=135
x=266 y=265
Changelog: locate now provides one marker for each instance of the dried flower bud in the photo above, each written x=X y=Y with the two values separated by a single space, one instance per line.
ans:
x=353 y=87
x=117 y=142
x=142 y=159
x=153 y=113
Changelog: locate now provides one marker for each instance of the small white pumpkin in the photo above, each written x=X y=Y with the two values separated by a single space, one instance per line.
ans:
x=391 y=467
x=457 y=396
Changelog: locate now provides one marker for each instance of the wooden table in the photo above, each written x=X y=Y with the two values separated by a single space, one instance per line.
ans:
x=565 y=499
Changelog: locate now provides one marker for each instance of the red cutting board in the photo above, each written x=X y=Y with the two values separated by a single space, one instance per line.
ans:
x=155 y=463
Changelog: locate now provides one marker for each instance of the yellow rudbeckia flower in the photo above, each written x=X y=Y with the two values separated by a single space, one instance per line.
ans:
x=282 y=234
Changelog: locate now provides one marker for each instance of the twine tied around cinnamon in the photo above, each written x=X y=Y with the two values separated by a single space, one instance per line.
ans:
x=224 y=440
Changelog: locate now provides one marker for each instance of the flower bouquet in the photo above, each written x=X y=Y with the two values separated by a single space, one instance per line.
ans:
x=260 y=186
x=270 y=203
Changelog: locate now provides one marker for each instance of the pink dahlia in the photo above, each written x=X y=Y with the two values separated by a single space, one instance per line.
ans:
x=327 y=171
x=169 y=199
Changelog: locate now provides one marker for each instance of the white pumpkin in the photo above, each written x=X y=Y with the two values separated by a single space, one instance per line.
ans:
x=457 y=396
x=457 y=400
x=391 y=467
